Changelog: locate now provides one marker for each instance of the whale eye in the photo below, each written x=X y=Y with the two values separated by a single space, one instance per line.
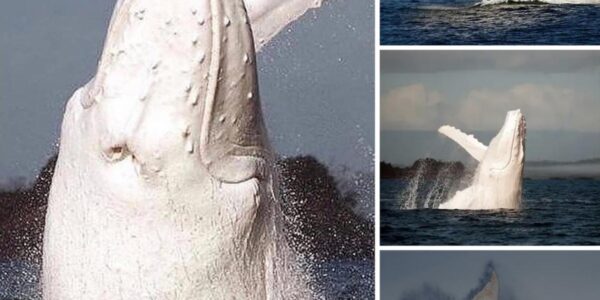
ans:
x=115 y=153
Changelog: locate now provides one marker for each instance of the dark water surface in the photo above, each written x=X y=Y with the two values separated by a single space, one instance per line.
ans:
x=340 y=279
x=555 y=212
x=459 y=22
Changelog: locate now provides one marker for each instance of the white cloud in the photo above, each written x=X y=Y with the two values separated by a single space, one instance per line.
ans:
x=410 y=107
x=546 y=107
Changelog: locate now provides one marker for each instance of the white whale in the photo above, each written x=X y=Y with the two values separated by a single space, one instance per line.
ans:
x=490 y=290
x=163 y=187
x=498 y=179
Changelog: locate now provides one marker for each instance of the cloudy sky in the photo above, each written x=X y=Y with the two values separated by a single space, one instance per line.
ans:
x=531 y=275
x=316 y=79
x=558 y=91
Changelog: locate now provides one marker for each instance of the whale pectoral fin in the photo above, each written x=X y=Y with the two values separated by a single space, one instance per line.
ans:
x=468 y=142
x=268 y=17
x=234 y=144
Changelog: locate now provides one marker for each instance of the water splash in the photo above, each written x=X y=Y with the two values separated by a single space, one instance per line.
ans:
x=409 y=196
x=439 y=189
x=430 y=185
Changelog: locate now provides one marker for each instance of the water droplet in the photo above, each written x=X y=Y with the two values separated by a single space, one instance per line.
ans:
x=246 y=58
x=222 y=119
x=250 y=95
x=226 y=22
x=201 y=58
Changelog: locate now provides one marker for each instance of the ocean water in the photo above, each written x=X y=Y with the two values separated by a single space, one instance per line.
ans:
x=554 y=212
x=342 y=279
x=462 y=22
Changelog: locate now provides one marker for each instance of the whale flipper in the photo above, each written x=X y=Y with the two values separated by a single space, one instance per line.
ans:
x=468 y=142
x=268 y=17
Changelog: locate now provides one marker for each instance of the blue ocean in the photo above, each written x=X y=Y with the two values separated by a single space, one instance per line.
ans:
x=465 y=22
x=554 y=212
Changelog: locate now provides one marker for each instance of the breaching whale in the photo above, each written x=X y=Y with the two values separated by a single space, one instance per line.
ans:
x=164 y=187
x=498 y=178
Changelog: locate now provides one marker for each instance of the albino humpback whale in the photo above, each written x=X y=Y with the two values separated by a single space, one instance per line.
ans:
x=163 y=187
x=497 y=181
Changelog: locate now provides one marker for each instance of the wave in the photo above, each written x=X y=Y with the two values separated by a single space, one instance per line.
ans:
x=493 y=2
x=441 y=7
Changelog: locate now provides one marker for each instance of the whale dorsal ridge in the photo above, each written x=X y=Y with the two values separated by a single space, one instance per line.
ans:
x=468 y=142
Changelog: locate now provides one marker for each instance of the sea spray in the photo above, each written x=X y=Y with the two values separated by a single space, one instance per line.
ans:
x=430 y=183
x=439 y=189
x=409 y=196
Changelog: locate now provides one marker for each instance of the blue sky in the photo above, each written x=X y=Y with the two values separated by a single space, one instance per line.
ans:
x=316 y=79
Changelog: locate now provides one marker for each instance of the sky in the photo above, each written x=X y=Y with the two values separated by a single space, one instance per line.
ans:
x=522 y=275
x=558 y=92
x=316 y=80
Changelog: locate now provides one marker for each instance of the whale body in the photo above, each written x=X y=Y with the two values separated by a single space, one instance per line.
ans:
x=498 y=179
x=490 y=290
x=164 y=187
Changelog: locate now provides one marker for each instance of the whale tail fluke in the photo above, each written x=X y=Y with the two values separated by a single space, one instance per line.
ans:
x=468 y=142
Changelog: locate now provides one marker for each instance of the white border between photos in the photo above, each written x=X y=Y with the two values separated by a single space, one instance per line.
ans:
x=412 y=248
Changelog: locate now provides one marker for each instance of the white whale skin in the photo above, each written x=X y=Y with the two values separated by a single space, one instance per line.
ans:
x=498 y=179
x=163 y=187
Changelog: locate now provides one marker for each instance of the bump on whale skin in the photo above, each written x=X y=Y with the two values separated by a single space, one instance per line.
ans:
x=497 y=182
x=163 y=187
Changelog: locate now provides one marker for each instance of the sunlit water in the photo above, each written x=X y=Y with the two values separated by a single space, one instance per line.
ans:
x=555 y=212
x=434 y=22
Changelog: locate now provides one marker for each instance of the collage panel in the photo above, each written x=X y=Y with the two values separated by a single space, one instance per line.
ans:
x=187 y=149
x=489 y=22
x=489 y=275
x=489 y=147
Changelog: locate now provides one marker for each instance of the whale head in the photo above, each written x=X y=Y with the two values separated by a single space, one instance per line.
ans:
x=506 y=151
x=175 y=96
x=499 y=176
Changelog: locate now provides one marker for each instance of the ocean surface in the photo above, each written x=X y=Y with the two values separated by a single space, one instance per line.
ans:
x=334 y=280
x=554 y=212
x=463 y=22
